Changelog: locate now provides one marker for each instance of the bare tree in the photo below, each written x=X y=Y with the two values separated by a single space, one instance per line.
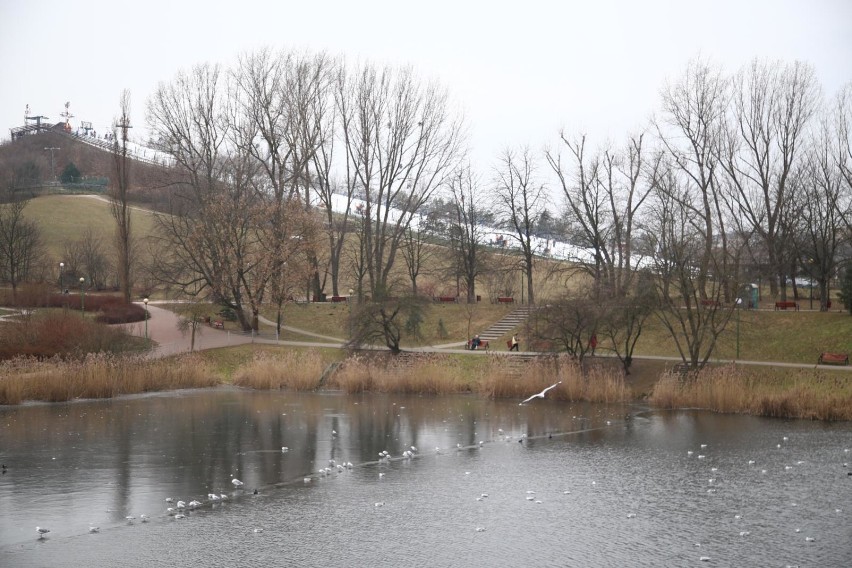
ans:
x=210 y=243
x=520 y=200
x=416 y=252
x=400 y=140
x=21 y=247
x=842 y=151
x=772 y=105
x=118 y=194
x=604 y=194
x=690 y=131
x=466 y=230
x=88 y=259
x=281 y=104
x=817 y=187
x=691 y=304
x=384 y=321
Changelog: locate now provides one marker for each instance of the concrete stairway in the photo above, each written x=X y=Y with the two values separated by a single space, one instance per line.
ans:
x=509 y=322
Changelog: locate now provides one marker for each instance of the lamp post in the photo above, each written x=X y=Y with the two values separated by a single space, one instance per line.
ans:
x=145 y=301
x=82 y=296
x=739 y=302
x=61 y=274
x=351 y=291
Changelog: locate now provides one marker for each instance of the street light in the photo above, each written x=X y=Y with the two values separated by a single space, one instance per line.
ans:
x=61 y=274
x=349 y=302
x=738 y=304
x=82 y=296
x=145 y=301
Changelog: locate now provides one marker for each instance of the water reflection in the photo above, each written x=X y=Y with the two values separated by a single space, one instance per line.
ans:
x=593 y=469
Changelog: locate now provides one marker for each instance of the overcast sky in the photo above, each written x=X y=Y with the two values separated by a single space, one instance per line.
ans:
x=520 y=70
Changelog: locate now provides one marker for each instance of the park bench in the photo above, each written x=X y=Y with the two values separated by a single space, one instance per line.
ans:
x=447 y=299
x=827 y=358
x=335 y=299
x=218 y=324
x=711 y=303
x=483 y=344
x=785 y=305
x=505 y=300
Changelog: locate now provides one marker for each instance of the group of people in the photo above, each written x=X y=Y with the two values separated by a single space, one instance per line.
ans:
x=513 y=345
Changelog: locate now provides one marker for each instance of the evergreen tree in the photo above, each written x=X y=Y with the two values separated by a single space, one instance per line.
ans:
x=71 y=174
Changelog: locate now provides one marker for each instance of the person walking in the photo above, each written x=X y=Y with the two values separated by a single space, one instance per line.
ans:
x=515 y=346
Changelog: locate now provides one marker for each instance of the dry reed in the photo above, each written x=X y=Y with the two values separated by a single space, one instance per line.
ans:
x=297 y=370
x=504 y=379
x=731 y=389
x=98 y=376
x=427 y=374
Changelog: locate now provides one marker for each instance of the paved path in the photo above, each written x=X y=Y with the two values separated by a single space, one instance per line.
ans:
x=163 y=329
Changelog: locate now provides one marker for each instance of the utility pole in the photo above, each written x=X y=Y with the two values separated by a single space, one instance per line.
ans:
x=52 y=168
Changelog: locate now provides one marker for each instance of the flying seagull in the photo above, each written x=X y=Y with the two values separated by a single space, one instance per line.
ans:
x=539 y=395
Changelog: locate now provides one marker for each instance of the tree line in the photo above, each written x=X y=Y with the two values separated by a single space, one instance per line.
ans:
x=299 y=174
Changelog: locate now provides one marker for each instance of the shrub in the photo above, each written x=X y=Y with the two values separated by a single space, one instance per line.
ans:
x=63 y=334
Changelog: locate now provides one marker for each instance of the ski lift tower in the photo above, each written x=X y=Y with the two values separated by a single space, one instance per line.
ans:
x=66 y=114
x=37 y=119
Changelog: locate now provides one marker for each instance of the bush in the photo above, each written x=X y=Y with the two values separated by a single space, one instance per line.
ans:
x=60 y=334
x=113 y=308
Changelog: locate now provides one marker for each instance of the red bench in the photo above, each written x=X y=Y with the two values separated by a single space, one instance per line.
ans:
x=505 y=300
x=712 y=303
x=827 y=358
x=483 y=344
x=447 y=299
x=218 y=324
x=340 y=298
x=785 y=305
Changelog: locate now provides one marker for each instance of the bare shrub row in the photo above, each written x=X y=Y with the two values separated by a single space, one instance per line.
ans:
x=730 y=389
x=98 y=376
x=59 y=333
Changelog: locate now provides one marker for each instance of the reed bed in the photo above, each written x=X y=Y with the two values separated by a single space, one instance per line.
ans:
x=504 y=379
x=426 y=374
x=98 y=376
x=729 y=389
x=297 y=370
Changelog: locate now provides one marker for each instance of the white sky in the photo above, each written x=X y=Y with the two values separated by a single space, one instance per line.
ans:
x=520 y=70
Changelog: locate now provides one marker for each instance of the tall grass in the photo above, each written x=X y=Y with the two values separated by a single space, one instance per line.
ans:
x=98 y=376
x=502 y=379
x=298 y=370
x=807 y=394
x=424 y=374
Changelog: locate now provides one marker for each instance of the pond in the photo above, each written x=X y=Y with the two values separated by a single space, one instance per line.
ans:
x=491 y=483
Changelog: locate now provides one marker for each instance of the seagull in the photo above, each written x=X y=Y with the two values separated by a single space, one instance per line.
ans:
x=539 y=395
x=284 y=449
x=143 y=517
x=94 y=529
x=41 y=532
x=237 y=482
x=169 y=500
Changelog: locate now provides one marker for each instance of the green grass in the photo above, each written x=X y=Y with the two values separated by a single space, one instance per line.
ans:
x=788 y=337
x=64 y=219
x=331 y=319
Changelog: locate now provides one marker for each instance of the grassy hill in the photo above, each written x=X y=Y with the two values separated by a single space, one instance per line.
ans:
x=66 y=218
